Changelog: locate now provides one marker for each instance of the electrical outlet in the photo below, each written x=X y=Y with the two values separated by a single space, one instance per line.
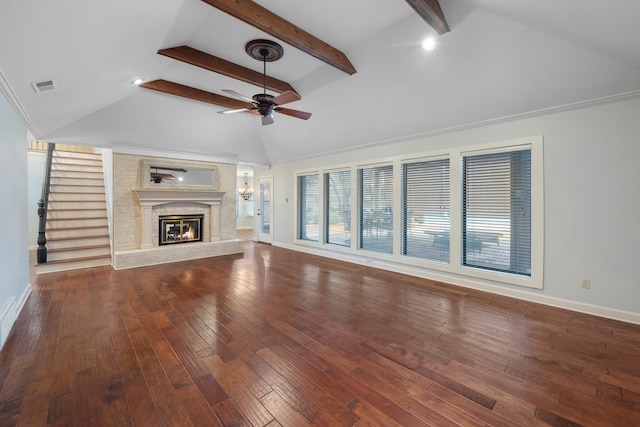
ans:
x=586 y=283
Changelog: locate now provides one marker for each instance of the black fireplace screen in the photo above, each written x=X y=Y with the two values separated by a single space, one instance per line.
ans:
x=180 y=229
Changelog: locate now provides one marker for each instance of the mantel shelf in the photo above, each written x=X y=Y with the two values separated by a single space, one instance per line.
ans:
x=160 y=197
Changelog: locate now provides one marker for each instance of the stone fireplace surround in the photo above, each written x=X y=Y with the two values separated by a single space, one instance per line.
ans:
x=179 y=202
x=149 y=204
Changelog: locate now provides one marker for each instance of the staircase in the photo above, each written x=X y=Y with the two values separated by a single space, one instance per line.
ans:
x=77 y=227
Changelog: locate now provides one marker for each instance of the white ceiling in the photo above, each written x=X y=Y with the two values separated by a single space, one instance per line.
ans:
x=501 y=59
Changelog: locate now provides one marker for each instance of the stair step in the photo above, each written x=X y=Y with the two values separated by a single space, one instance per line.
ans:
x=66 y=233
x=58 y=160
x=76 y=177
x=69 y=254
x=86 y=262
x=55 y=224
x=72 y=167
x=76 y=155
x=77 y=242
x=76 y=204
x=75 y=213
x=76 y=197
x=75 y=188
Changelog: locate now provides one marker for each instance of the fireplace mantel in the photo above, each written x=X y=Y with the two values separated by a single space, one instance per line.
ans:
x=160 y=197
x=150 y=198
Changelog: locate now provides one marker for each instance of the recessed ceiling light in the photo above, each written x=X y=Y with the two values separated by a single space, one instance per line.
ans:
x=429 y=43
x=137 y=82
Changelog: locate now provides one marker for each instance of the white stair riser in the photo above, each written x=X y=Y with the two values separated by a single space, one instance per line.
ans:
x=56 y=188
x=58 y=205
x=72 y=265
x=77 y=182
x=83 y=162
x=75 y=232
x=77 y=155
x=75 y=174
x=76 y=168
x=76 y=213
x=77 y=243
x=71 y=254
x=62 y=197
x=76 y=223
x=77 y=161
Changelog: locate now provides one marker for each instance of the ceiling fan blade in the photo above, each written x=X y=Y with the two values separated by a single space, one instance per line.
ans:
x=286 y=98
x=239 y=95
x=267 y=120
x=239 y=110
x=293 y=113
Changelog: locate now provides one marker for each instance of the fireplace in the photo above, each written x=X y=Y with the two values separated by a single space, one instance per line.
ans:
x=180 y=229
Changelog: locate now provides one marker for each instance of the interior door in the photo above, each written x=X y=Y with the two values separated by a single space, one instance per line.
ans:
x=265 y=210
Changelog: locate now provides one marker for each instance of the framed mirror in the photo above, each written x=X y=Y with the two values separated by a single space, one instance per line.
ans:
x=167 y=174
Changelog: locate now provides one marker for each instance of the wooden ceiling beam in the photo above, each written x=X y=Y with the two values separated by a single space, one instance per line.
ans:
x=432 y=13
x=209 y=62
x=177 y=89
x=272 y=24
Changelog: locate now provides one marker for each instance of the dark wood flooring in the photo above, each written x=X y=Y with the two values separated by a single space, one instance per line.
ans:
x=275 y=337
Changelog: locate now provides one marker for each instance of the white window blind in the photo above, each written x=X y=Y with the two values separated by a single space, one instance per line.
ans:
x=308 y=207
x=338 y=207
x=425 y=210
x=375 y=188
x=496 y=232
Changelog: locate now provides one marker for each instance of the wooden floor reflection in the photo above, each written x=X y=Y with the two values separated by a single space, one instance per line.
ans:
x=275 y=337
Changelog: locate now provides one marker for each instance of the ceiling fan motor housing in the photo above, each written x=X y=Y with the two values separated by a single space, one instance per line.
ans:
x=264 y=103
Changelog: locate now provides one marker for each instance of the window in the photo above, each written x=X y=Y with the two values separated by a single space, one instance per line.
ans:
x=469 y=211
x=496 y=211
x=425 y=210
x=338 y=207
x=308 y=207
x=375 y=187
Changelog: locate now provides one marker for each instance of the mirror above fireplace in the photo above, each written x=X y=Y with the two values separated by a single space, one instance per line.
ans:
x=178 y=174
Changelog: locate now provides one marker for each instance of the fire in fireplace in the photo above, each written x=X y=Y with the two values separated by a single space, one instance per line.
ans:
x=180 y=229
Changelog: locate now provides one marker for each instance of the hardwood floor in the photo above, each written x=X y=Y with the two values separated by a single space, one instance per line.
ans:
x=274 y=337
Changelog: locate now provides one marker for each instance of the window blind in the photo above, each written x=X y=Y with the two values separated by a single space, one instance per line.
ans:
x=308 y=207
x=375 y=188
x=496 y=233
x=338 y=207
x=425 y=210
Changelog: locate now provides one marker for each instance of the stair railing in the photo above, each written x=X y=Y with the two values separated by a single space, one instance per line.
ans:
x=41 y=254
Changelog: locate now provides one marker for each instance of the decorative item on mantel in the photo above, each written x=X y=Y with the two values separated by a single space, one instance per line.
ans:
x=245 y=191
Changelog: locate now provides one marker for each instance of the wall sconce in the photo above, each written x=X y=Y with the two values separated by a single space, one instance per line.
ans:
x=245 y=191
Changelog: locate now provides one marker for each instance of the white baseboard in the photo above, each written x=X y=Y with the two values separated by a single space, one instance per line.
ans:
x=535 y=296
x=10 y=313
x=7 y=319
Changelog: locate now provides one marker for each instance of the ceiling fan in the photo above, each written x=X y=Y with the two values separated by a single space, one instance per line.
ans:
x=263 y=103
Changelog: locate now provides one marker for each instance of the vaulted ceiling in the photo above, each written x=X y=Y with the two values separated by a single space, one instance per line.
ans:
x=358 y=66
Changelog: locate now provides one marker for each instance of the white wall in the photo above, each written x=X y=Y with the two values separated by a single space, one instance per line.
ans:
x=14 y=254
x=592 y=204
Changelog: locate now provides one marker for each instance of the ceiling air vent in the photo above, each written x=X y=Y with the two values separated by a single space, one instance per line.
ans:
x=43 y=86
